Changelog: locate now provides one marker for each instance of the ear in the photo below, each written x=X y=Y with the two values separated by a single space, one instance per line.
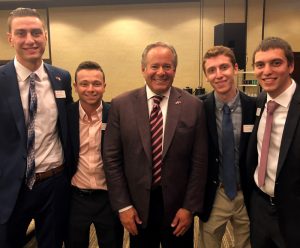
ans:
x=75 y=86
x=236 y=68
x=9 y=39
x=46 y=35
x=291 y=68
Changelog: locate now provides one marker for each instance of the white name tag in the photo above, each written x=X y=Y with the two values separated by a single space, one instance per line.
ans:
x=247 y=128
x=258 y=110
x=60 y=94
x=103 y=126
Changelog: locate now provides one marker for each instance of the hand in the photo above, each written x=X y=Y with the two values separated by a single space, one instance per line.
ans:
x=129 y=219
x=182 y=222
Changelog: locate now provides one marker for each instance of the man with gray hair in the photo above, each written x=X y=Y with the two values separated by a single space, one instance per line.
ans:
x=155 y=155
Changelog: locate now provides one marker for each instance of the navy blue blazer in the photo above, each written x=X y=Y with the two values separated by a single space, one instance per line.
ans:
x=73 y=119
x=248 y=117
x=13 y=151
x=287 y=184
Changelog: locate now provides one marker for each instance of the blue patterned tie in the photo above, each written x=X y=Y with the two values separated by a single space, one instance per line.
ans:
x=32 y=104
x=229 y=177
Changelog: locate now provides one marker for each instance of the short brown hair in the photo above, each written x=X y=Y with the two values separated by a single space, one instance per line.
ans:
x=158 y=44
x=89 y=65
x=275 y=43
x=216 y=51
x=22 y=12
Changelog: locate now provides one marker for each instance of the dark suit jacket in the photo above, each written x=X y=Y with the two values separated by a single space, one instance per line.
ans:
x=287 y=184
x=13 y=151
x=248 y=117
x=73 y=120
x=128 y=159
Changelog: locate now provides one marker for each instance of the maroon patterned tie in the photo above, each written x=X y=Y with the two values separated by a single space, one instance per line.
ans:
x=271 y=106
x=156 y=128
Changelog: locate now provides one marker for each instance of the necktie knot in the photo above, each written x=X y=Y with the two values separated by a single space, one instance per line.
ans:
x=226 y=109
x=271 y=107
x=157 y=99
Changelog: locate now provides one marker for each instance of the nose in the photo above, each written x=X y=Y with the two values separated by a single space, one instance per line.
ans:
x=160 y=70
x=218 y=73
x=29 y=38
x=267 y=69
x=90 y=87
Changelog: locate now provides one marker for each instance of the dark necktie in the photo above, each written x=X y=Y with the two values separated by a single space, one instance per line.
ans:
x=271 y=107
x=32 y=104
x=156 y=128
x=229 y=177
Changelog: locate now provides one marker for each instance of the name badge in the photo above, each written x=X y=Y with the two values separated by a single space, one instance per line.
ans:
x=60 y=94
x=103 y=126
x=247 y=128
x=258 y=110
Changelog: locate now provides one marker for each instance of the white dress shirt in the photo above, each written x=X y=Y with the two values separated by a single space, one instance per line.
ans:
x=279 y=119
x=48 y=148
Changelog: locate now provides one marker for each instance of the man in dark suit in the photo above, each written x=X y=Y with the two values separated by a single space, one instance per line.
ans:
x=220 y=206
x=157 y=208
x=274 y=160
x=89 y=198
x=33 y=131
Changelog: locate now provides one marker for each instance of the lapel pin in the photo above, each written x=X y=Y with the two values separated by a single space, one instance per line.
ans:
x=58 y=78
x=177 y=102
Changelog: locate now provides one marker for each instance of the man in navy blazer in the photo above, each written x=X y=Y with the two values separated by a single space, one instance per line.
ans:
x=46 y=200
x=220 y=67
x=275 y=199
x=157 y=210
x=89 y=197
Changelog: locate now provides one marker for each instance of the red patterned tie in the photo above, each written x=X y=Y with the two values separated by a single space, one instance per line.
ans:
x=156 y=128
x=271 y=106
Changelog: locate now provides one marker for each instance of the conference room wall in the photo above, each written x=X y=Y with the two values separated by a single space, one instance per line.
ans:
x=115 y=35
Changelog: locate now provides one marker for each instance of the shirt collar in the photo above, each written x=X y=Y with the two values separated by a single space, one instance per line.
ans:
x=95 y=116
x=151 y=94
x=24 y=73
x=285 y=97
x=233 y=104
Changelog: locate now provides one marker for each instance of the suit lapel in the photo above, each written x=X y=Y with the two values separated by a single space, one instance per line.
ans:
x=210 y=106
x=247 y=119
x=56 y=84
x=74 y=127
x=140 y=106
x=289 y=128
x=174 y=109
x=12 y=92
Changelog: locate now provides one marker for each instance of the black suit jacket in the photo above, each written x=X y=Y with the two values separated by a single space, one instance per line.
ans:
x=248 y=117
x=287 y=184
x=13 y=134
x=128 y=159
x=73 y=120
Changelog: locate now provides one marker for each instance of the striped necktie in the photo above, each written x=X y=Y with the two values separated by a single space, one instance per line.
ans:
x=156 y=129
x=32 y=104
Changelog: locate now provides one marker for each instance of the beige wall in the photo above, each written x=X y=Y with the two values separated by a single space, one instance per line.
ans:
x=116 y=35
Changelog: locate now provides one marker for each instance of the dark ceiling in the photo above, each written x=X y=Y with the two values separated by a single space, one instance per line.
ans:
x=5 y=4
